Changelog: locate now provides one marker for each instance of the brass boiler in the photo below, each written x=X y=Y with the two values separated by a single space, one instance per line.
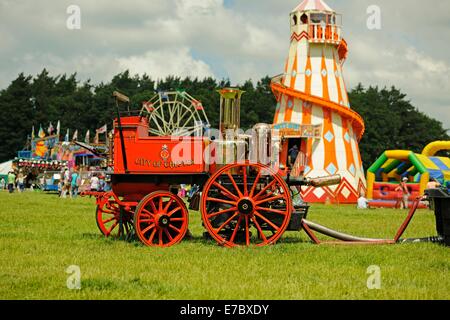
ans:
x=231 y=147
x=261 y=144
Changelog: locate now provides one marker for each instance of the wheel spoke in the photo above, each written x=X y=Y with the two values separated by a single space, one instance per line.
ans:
x=236 y=229
x=271 y=210
x=174 y=228
x=168 y=235
x=152 y=204
x=244 y=175
x=247 y=231
x=226 y=192
x=173 y=211
x=263 y=236
x=178 y=219
x=160 y=204
x=152 y=236
x=168 y=205
x=234 y=184
x=218 y=213
x=148 y=228
x=258 y=176
x=267 y=221
x=112 y=228
x=160 y=237
x=221 y=201
x=227 y=222
x=108 y=220
x=146 y=213
x=270 y=199
x=273 y=182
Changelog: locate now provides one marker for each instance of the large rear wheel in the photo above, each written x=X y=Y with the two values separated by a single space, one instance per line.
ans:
x=246 y=204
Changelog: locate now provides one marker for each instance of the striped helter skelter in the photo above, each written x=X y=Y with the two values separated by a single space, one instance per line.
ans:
x=312 y=91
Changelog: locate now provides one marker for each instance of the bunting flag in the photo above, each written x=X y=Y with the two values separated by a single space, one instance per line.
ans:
x=50 y=129
x=75 y=136
x=58 y=128
x=86 y=139
x=41 y=133
x=66 y=139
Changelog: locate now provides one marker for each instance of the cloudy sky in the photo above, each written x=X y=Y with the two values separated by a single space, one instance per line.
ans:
x=235 y=39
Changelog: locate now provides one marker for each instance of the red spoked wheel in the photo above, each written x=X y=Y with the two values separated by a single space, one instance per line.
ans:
x=161 y=219
x=246 y=204
x=107 y=216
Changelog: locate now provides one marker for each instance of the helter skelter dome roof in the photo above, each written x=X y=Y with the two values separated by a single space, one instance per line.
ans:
x=313 y=5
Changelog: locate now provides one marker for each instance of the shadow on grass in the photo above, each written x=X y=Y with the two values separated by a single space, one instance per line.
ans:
x=204 y=240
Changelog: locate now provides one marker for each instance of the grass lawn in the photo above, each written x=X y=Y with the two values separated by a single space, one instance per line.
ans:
x=42 y=235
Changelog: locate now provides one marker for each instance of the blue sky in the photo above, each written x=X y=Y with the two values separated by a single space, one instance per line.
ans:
x=235 y=39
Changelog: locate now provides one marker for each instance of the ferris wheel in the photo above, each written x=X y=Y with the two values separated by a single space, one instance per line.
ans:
x=175 y=113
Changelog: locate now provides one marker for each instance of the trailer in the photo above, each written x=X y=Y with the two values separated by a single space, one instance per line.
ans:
x=247 y=182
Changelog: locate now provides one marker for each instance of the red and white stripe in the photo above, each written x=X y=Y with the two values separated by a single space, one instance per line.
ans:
x=318 y=5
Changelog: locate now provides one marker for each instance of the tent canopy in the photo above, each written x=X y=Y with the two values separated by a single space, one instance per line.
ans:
x=5 y=167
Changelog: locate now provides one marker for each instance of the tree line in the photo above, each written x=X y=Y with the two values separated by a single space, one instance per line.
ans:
x=392 y=122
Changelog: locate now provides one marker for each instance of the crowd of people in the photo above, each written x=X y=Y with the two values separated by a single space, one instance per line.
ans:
x=73 y=180
x=13 y=182
x=67 y=183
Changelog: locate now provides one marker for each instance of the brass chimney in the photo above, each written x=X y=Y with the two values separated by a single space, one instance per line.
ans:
x=230 y=110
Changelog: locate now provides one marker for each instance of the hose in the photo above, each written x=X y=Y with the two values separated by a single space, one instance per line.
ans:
x=336 y=234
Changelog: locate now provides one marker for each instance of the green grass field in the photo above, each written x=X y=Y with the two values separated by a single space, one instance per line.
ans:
x=42 y=235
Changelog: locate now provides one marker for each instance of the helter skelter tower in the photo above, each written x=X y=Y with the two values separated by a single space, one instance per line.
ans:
x=312 y=93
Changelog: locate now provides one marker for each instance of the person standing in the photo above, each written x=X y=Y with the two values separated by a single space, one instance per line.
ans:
x=95 y=183
x=2 y=184
x=11 y=181
x=66 y=183
x=403 y=189
x=20 y=182
x=74 y=185
x=293 y=154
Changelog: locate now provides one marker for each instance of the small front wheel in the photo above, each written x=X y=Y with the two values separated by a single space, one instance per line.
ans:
x=161 y=219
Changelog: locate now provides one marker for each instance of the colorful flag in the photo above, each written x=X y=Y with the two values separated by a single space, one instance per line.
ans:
x=75 y=136
x=50 y=129
x=66 y=139
x=103 y=129
x=41 y=133
x=86 y=139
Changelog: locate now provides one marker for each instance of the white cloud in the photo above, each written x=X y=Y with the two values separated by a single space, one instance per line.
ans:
x=160 y=64
x=242 y=40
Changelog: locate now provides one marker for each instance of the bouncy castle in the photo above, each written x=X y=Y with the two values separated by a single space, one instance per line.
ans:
x=393 y=165
x=312 y=92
